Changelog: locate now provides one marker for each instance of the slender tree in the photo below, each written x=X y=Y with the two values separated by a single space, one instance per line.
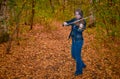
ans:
x=91 y=12
x=16 y=31
x=52 y=5
x=33 y=13
x=3 y=21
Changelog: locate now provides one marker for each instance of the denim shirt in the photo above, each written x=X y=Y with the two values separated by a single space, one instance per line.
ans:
x=76 y=33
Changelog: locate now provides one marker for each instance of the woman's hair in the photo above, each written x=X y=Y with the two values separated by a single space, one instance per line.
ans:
x=79 y=11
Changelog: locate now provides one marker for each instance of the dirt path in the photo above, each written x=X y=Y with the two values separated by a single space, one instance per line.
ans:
x=43 y=55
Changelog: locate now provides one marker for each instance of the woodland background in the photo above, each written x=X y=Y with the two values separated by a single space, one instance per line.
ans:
x=34 y=45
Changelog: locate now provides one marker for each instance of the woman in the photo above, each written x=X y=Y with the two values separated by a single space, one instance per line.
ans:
x=77 y=39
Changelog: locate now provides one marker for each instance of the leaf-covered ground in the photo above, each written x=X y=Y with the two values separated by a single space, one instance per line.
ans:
x=46 y=55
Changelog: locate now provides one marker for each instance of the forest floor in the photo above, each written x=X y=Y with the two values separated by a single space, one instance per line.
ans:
x=46 y=55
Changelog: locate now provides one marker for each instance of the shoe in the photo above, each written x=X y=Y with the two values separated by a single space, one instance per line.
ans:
x=78 y=73
x=84 y=66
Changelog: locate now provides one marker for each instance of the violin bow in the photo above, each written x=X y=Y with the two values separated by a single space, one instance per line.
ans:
x=80 y=20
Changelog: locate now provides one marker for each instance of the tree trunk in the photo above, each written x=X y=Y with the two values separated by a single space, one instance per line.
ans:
x=17 y=19
x=3 y=21
x=112 y=19
x=92 y=18
x=63 y=6
x=3 y=15
x=52 y=6
x=111 y=3
x=74 y=5
x=33 y=13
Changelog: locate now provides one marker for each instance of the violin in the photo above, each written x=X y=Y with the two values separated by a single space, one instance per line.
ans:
x=77 y=22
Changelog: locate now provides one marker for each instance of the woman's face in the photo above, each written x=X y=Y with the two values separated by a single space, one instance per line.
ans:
x=77 y=15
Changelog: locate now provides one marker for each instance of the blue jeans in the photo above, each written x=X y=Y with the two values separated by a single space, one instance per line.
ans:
x=76 y=54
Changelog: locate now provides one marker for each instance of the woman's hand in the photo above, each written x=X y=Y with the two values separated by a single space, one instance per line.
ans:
x=81 y=26
x=65 y=24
